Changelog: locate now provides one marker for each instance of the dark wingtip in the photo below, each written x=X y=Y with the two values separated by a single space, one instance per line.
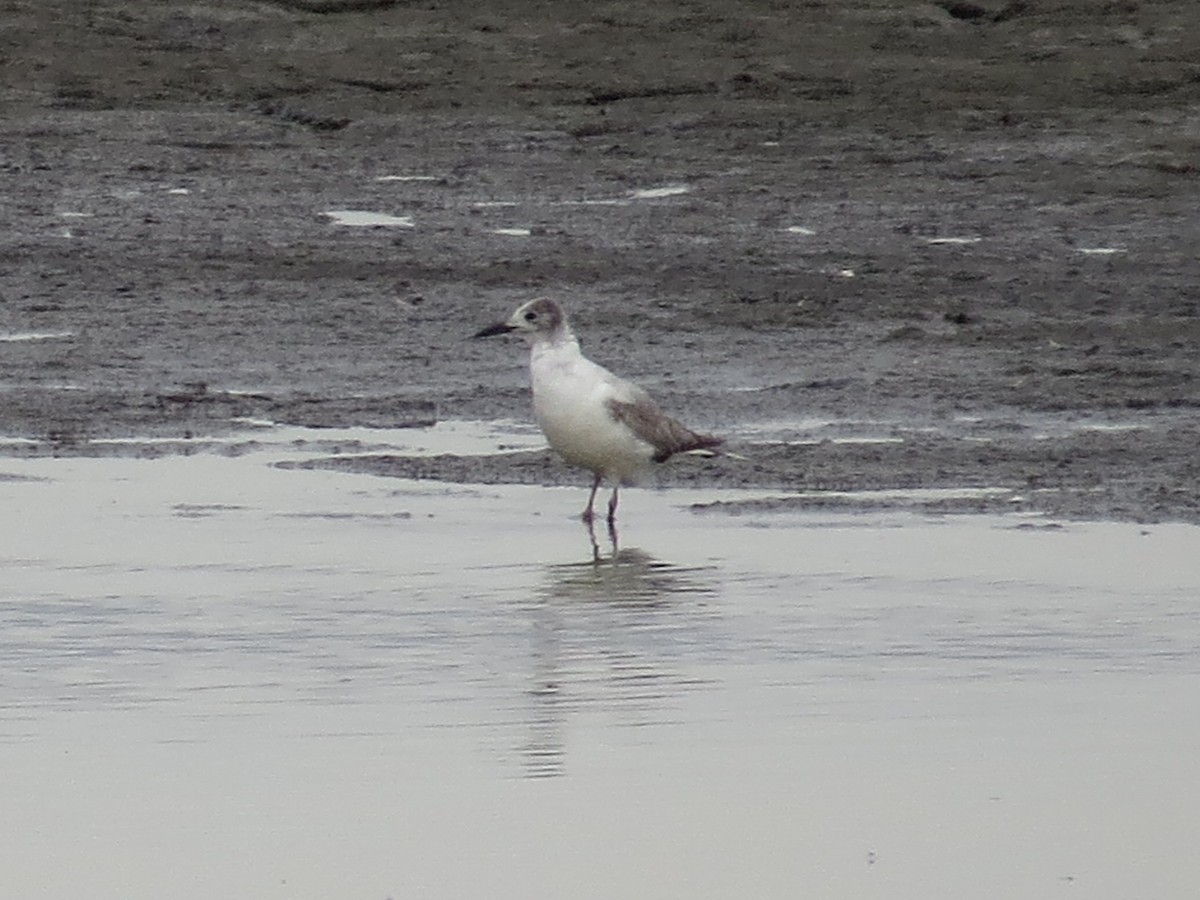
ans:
x=702 y=444
x=492 y=330
x=705 y=442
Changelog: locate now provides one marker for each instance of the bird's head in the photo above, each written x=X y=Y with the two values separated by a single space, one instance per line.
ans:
x=542 y=317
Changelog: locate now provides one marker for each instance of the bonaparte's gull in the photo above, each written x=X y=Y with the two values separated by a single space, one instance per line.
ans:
x=591 y=417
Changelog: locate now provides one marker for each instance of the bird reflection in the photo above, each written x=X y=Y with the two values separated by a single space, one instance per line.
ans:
x=590 y=526
x=628 y=577
x=603 y=632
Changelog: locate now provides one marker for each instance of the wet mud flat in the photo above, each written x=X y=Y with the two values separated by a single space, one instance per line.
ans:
x=965 y=232
x=295 y=602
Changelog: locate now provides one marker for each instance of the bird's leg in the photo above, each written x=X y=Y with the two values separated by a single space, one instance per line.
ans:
x=612 y=507
x=589 y=514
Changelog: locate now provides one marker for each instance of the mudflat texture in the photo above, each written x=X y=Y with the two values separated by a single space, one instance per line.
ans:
x=966 y=231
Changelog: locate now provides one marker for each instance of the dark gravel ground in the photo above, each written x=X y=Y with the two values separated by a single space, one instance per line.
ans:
x=970 y=226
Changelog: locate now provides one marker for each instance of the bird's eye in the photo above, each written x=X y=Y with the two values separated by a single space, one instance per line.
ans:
x=531 y=316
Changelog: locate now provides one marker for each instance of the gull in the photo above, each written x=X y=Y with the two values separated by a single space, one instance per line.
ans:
x=591 y=417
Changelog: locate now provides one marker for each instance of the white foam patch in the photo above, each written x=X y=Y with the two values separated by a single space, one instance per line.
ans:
x=1100 y=251
x=361 y=218
x=407 y=178
x=609 y=201
x=462 y=437
x=800 y=229
x=911 y=494
x=512 y=232
x=669 y=190
x=817 y=441
x=952 y=241
x=16 y=337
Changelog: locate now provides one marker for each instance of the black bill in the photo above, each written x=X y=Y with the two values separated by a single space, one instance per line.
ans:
x=491 y=330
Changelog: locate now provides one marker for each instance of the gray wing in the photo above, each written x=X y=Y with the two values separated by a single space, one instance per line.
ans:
x=656 y=428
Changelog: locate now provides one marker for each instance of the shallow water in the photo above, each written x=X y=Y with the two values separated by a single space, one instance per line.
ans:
x=222 y=678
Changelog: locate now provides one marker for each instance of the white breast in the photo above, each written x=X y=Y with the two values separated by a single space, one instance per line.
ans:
x=570 y=402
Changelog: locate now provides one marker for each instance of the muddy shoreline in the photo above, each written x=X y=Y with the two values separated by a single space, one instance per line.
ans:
x=965 y=232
